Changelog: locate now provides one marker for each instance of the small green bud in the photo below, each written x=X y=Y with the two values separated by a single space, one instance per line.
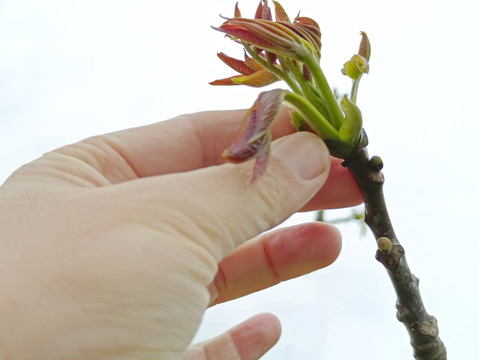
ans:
x=355 y=67
x=375 y=164
x=350 y=130
x=359 y=63
x=363 y=139
x=384 y=245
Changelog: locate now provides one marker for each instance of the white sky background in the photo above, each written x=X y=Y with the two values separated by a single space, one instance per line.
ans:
x=72 y=69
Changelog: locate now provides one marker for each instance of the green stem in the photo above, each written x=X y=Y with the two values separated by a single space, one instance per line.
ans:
x=311 y=115
x=306 y=88
x=286 y=73
x=281 y=74
x=354 y=90
x=335 y=114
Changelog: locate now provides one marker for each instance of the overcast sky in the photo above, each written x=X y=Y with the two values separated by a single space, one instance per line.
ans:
x=72 y=69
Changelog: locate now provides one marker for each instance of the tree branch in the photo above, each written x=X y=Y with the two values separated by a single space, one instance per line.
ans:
x=422 y=327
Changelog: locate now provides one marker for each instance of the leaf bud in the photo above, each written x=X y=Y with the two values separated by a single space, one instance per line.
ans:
x=384 y=245
x=359 y=63
x=355 y=67
x=375 y=164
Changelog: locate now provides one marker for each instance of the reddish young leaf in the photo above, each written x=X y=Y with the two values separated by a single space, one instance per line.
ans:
x=253 y=73
x=279 y=38
x=252 y=63
x=237 y=11
x=259 y=78
x=263 y=11
x=280 y=14
x=225 y=81
x=255 y=136
x=246 y=32
x=365 y=46
x=259 y=166
x=238 y=65
x=311 y=28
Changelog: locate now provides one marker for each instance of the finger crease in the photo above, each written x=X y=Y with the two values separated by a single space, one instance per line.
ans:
x=270 y=261
x=220 y=281
x=199 y=139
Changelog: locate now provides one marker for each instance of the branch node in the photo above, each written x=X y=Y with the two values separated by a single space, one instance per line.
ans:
x=415 y=280
x=390 y=260
x=401 y=313
x=428 y=327
x=432 y=348
x=375 y=178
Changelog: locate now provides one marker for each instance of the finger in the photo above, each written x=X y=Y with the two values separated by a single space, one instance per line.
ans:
x=184 y=143
x=339 y=191
x=274 y=257
x=221 y=206
x=247 y=341
x=190 y=142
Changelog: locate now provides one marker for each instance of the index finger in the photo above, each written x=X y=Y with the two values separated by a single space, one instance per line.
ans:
x=184 y=143
x=198 y=140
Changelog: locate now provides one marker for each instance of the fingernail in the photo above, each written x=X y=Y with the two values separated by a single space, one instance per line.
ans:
x=304 y=154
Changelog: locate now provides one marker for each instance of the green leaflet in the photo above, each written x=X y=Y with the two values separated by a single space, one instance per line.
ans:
x=350 y=130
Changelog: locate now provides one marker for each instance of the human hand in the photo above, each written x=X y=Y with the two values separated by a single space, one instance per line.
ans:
x=110 y=247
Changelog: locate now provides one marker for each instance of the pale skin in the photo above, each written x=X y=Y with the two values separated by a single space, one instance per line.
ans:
x=113 y=248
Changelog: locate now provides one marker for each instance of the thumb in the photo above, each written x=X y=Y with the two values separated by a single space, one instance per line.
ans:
x=219 y=208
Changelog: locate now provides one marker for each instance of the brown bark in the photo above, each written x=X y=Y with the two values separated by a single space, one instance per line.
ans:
x=422 y=328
